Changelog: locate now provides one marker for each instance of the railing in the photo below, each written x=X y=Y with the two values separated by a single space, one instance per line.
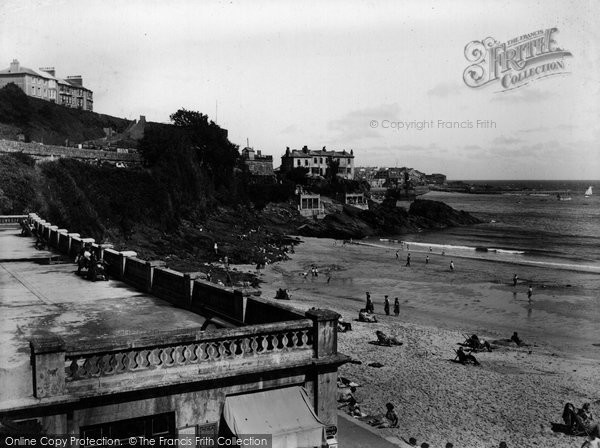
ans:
x=250 y=342
x=11 y=219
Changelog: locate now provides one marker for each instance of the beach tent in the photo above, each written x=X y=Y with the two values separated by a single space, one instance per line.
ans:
x=285 y=413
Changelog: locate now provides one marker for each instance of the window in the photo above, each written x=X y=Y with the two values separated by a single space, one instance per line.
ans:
x=32 y=90
x=315 y=160
x=321 y=160
x=305 y=162
x=299 y=162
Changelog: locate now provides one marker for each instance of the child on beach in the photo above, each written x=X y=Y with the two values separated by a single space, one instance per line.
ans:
x=386 y=306
x=396 y=307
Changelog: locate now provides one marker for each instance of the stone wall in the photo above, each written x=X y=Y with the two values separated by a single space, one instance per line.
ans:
x=39 y=151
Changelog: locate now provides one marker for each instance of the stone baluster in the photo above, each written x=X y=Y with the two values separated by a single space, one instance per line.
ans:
x=48 y=366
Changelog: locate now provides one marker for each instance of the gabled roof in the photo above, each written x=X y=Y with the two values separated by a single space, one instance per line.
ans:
x=27 y=71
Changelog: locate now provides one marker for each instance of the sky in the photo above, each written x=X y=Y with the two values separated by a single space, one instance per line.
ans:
x=341 y=74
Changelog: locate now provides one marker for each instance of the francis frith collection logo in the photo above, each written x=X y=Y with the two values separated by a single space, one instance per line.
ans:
x=516 y=62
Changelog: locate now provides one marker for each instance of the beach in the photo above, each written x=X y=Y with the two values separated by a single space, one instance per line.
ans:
x=516 y=392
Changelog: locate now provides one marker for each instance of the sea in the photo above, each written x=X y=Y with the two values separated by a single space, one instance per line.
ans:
x=525 y=224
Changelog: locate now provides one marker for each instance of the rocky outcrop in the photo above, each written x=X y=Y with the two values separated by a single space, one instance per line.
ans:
x=387 y=219
x=436 y=214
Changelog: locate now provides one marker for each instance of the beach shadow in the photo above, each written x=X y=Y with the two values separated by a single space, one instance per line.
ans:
x=380 y=344
x=564 y=429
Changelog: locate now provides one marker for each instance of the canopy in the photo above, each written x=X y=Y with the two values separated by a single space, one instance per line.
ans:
x=285 y=413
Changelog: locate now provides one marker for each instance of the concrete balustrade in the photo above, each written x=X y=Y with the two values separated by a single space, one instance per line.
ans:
x=12 y=219
x=269 y=338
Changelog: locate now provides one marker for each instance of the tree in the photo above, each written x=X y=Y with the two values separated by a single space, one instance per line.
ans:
x=216 y=153
x=333 y=166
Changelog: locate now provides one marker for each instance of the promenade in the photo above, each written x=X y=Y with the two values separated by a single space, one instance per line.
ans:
x=39 y=300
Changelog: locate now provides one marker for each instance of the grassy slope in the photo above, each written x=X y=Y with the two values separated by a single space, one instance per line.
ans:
x=49 y=123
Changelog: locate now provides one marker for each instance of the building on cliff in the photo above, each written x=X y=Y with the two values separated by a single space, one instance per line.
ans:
x=43 y=84
x=260 y=167
x=317 y=161
x=157 y=353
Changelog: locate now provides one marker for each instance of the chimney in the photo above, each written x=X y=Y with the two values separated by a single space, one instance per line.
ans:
x=49 y=70
x=75 y=80
x=14 y=66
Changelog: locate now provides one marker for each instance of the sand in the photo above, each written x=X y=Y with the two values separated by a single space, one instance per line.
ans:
x=514 y=394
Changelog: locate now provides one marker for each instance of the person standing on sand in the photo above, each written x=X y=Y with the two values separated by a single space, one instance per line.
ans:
x=427 y=259
x=451 y=265
x=397 y=256
x=408 y=260
x=515 y=278
x=370 y=308
x=216 y=247
x=396 y=307
x=386 y=306
x=529 y=293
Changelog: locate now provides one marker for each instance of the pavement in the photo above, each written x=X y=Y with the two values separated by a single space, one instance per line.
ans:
x=353 y=433
x=39 y=299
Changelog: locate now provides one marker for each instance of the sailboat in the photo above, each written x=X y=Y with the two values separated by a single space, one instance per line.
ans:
x=588 y=192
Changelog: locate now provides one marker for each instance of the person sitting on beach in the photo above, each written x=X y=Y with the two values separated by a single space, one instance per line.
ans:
x=346 y=395
x=579 y=422
x=585 y=420
x=516 y=339
x=384 y=339
x=465 y=358
x=365 y=316
x=478 y=344
x=344 y=326
x=389 y=420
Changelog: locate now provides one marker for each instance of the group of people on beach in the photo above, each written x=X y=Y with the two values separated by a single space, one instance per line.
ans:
x=427 y=259
x=370 y=307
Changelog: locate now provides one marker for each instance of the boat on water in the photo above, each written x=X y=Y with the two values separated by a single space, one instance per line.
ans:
x=563 y=196
x=588 y=192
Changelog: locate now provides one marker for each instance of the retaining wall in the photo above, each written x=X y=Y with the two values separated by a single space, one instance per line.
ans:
x=37 y=150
